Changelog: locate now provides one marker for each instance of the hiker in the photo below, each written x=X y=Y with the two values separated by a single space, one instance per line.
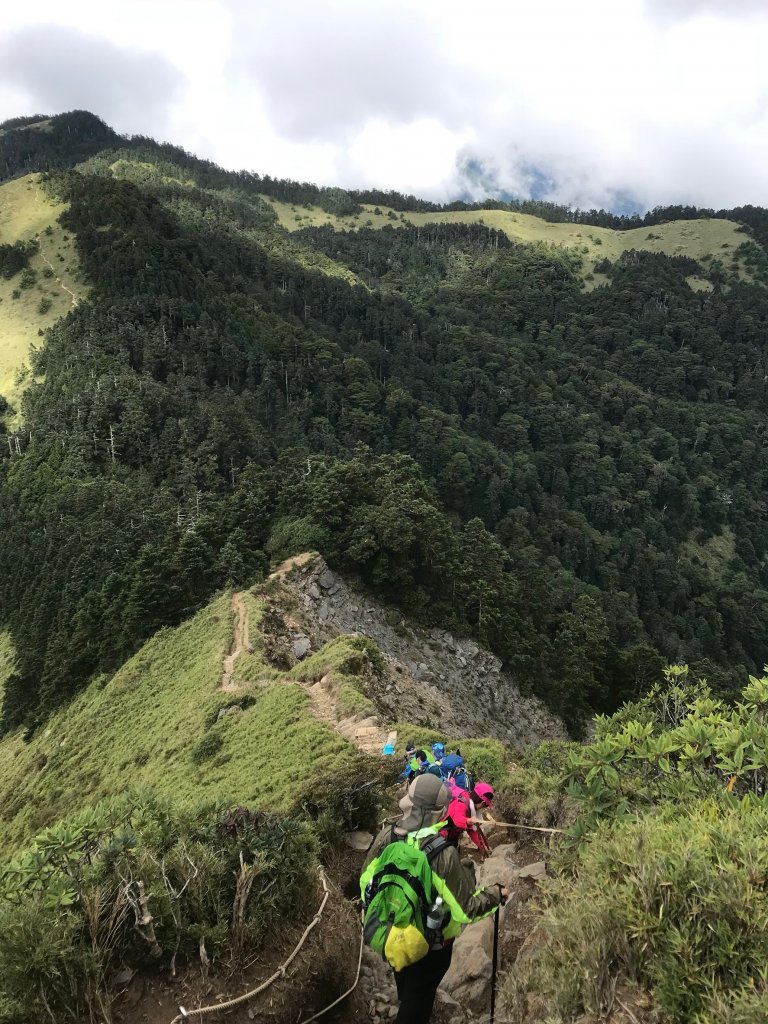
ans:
x=419 y=960
x=436 y=755
x=462 y=814
x=451 y=768
x=416 y=765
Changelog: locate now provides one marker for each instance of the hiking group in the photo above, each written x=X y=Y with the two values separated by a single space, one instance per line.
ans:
x=417 y=890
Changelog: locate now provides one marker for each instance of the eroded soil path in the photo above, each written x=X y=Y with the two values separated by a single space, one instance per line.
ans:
x=364 y=732
x=240 y=642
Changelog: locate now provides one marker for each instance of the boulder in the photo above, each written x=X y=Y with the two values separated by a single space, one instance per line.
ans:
x=359 y=841
x=233 y=709
x=326 y=579
x=499 y=867
x=301 y=647
x=536 y=871
x=468 y=980
x=469 y=977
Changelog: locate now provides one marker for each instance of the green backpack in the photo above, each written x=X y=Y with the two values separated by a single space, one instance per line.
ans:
x=396 y=889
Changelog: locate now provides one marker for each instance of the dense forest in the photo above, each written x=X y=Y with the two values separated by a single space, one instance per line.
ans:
x=575 y=477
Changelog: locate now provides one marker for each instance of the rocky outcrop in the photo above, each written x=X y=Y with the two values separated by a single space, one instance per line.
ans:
x=433 y=678
x=469 y=979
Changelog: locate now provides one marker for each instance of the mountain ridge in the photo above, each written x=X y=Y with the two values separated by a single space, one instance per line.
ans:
x=550 y=429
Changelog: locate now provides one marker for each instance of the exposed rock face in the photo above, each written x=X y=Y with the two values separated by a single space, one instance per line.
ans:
x=433 y=678
x=469 y=978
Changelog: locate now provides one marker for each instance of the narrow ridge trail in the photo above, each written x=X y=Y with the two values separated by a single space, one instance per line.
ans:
x=366 y=733
x=240 y=643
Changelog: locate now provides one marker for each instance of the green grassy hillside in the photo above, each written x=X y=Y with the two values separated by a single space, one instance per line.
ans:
x=694 y=238
x=155 y=723
x=27 y=213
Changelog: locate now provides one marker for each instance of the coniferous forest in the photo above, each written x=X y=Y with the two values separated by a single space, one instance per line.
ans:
x=577 y=478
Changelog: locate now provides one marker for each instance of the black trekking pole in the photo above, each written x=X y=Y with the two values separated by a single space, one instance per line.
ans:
x=496 y=917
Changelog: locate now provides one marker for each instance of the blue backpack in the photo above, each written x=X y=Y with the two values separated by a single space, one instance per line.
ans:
x=452 y=767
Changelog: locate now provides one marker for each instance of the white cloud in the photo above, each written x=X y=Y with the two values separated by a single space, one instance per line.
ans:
x=666 y=99
x=672 y=10
x=56 y=66
x=421 y=150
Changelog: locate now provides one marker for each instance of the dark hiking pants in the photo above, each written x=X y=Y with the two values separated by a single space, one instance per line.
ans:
x=417 y=986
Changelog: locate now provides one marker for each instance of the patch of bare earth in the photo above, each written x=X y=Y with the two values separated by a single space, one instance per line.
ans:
x=323 y=969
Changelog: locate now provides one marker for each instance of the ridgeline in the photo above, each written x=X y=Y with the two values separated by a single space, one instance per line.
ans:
x=573 y=476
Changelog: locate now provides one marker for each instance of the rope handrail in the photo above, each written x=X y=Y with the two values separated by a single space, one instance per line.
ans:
x=530 y=828
x=202 y=1010
x=345 y=994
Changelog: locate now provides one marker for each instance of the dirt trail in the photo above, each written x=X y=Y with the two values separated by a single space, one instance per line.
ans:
x=39 y=239
x=295 y=562
x=240 y=642
x=75 y=300
x=365 y=733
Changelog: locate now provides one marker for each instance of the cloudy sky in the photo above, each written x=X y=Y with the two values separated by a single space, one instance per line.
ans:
x=664 y=100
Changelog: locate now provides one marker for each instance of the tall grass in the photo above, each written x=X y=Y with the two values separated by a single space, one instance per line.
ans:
x=146 y=726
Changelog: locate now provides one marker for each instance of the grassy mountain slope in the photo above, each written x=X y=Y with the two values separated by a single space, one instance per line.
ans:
x=155 y=723
x=693 y=238
x=705 y=237
x=26 y=213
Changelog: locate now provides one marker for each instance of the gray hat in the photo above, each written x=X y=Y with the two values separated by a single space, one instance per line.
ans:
x=424 y=804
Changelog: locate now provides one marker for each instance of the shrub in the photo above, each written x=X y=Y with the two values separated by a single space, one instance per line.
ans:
x=677 y=906
x=347 y=655
x=533 y=797
x=486 y=759
x=351 y=699
x=679 y=743
x=337 y=802
x=239 y=700
x=206 y=747
x=69 y=906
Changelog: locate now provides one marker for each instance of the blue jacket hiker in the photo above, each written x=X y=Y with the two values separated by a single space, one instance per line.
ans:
x=418 y=895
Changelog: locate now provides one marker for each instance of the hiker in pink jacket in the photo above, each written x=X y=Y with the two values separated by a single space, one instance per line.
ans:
x=462 y=814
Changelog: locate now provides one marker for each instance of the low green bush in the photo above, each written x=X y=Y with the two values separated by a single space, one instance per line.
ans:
x=351 y=699
x=206 y=747
x=486 y=759
x=349 y=655
x=677 y=906
x=662 y=882
x=342 y=801
x=140 y=878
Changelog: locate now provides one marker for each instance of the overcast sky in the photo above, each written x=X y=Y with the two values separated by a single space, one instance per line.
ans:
x=663 y=99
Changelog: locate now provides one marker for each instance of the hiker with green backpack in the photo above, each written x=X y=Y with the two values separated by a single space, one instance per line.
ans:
x=417 y=896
